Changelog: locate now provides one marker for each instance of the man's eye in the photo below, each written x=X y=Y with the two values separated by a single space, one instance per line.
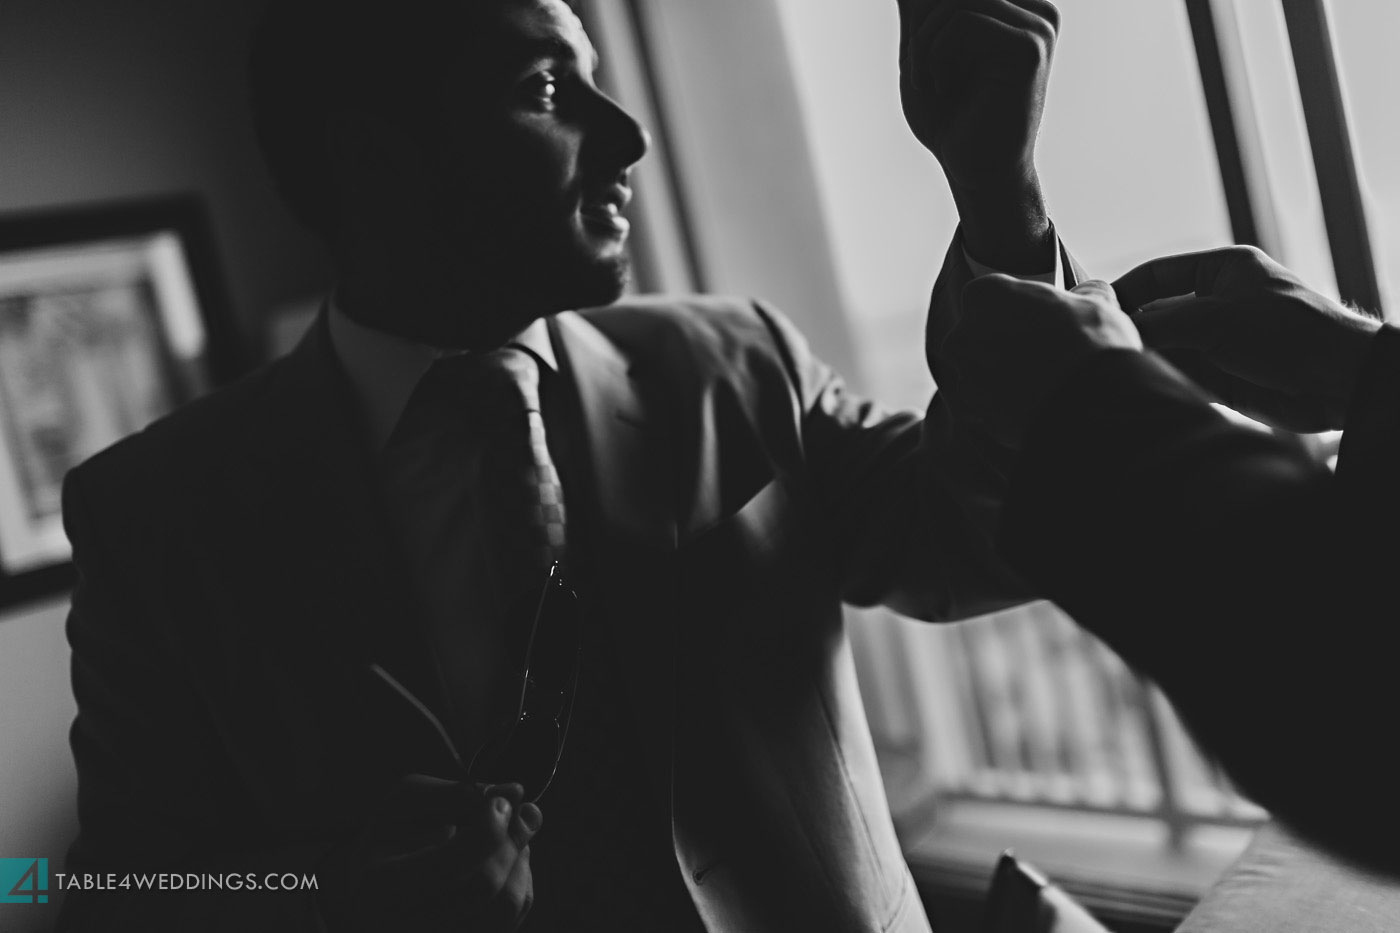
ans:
x=542 y=89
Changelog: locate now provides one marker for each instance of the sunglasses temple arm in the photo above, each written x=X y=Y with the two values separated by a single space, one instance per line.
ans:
x=422 y=709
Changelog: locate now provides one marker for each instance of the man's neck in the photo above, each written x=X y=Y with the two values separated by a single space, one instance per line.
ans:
x=473 y=319
x=383 y=368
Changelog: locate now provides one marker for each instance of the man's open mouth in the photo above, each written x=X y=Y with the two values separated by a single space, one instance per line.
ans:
x=604 y=208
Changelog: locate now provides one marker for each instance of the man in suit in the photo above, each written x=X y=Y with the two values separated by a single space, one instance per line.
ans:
x=305 y=600
x=1248 y=580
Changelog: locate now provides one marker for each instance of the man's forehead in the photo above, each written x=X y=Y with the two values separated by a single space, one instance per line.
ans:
x=545 y=27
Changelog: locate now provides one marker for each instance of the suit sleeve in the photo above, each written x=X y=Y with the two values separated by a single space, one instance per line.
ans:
x=1226 y=565
x=972 y=467
x=155 y=790
x=908 y=501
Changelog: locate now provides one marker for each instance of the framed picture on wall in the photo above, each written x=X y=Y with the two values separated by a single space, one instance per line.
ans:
x=110 y=317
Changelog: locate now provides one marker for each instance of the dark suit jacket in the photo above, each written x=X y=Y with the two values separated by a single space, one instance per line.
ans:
x=1250 y=582
x=235 y=584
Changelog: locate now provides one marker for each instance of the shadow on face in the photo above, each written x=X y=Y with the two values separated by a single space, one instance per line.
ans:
x=474 y=177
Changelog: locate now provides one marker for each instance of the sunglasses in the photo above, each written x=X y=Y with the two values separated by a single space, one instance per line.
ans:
x=525 y=749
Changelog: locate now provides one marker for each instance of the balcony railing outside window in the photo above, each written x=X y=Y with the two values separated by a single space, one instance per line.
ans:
x=1049 y=716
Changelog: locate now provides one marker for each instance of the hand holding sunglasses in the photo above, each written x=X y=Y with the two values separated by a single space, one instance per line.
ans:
x=434 y=854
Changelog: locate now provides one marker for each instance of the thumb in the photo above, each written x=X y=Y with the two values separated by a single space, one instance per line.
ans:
x=527 y=822
x=1097 y=288
x=1182 y=323
x=997 y=288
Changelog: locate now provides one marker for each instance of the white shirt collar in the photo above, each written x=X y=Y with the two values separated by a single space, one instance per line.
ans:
x=384 y=369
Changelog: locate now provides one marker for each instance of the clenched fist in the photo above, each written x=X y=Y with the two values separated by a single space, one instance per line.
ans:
x=973 y=76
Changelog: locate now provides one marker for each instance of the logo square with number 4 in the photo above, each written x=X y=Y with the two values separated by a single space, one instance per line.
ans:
x=24 y=881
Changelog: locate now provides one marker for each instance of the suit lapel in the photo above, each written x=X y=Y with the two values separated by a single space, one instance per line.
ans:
x=629 y=519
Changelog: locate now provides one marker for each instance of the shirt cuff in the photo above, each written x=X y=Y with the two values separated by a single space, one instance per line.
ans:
x=1055 y=277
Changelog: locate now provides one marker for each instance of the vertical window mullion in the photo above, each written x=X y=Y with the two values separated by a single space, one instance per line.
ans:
x=1239 y=146
x=1329 y=134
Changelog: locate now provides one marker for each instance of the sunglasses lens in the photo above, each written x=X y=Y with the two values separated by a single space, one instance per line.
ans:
x=554 y=648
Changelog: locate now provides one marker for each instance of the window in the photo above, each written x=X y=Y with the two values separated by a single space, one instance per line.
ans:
x=1289 y=191
x=1172 y=125
x=1023 y=710
x=1365 y=34
x=1126 y=152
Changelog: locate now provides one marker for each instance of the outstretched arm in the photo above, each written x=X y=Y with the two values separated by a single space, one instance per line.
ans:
x=1227 y=566
x=1218 y=560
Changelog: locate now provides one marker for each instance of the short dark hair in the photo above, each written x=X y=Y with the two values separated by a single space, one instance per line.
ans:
x=309 y=58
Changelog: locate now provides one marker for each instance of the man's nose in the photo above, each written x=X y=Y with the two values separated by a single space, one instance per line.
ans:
x=618 y=137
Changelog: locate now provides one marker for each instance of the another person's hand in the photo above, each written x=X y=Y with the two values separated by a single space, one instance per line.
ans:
x=435 y=855
x=1249 y=332
x=973 y=75
x=1018 y=340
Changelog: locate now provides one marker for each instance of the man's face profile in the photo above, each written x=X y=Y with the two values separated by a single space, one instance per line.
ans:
x=529 y=176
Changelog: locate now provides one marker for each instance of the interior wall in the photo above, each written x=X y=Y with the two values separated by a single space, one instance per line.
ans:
x=104 y=100
x=38 y=784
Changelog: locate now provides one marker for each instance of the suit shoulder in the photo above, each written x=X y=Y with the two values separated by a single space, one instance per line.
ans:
x=179 y=444
x=710 y=327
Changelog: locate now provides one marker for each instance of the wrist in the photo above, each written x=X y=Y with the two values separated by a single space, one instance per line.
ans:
x=1006 y=226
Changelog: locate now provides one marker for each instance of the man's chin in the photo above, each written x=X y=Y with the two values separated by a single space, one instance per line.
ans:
x=613 y=279
x=597 y=281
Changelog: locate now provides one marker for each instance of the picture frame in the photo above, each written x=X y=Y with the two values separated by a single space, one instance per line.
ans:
x=111 y=316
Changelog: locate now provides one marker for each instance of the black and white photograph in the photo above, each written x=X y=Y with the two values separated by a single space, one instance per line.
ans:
x=699 y=466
